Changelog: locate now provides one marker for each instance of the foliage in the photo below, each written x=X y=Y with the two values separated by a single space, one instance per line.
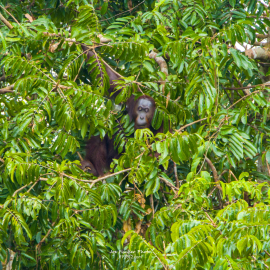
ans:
x=53 y=215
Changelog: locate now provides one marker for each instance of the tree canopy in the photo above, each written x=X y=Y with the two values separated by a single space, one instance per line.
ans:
x=193 y=197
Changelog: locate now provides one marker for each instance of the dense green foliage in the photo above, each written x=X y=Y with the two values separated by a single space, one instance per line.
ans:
x=202 y=203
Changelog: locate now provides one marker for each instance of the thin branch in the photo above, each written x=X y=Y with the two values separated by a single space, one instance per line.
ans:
x=262 y=262
x=261 y=17
x=6 y=22
x=152 y=205
x=8 y=89
x=170 y=185
x=18 y=190
x=10 y=15
x=261 y=36
x=79 y=71
x=104 y=177
x=32 y=186
x=163 y=66
x=130 y=10
x=212 y=221
x=247 y=87
x=80 y=157
x=225 y=171
x=214 y=170
x=38 y=246
x=175 y=174
x=165 y=200
x=255 y=92
x=3 y=78
x=211 y=192
x=231 y=101
x=268 y=168
x=190 y=124
x=258 y=43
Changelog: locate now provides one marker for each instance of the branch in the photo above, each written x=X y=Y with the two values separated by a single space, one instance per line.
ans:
x=214 y=170
x=162 y=64
x=81 y=159
x=170 y=185
x=18 y=190
x=4 y=78
x=6 y=22
x=105 y=177
x=38 y=246
x=103 y=39
x=8 y=89
x=211 y=220
x=261 y=36
x=258 y=43
x=175 y=174
x=10 y=15
x=190 y=124
x=255 y=92
x=247 y=87
x=261 y=17
x=258 y=53
x=152 y=205
x=130 y=10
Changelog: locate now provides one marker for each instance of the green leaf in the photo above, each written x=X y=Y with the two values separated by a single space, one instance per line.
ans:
x=104 y=8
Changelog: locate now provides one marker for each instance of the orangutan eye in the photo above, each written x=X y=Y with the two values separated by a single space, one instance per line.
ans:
x=140 y=108
x=146 y=110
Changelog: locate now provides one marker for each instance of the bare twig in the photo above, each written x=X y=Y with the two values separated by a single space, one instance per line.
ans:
x=215 y=175
x=247 y=87
x=18 y=190
x=212 y=191
x=78 y=71
x=190 y=124
x=130 y=10
x=104 y=177
x=38 y=246
x=152 y=205
x=162 y=64
x=261 y=261
x=8 y=89
x=175 y=174
x=80 y=157
x=170 y=185
x=214 y=170
x=10 y=15
x=6 y=22
x=255 y=92
x=268 y=168
x=212 y=221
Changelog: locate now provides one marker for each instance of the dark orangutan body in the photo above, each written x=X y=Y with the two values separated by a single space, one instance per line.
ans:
x=100 y=153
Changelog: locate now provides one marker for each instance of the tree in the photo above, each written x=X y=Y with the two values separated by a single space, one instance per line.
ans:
x=202 y=202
